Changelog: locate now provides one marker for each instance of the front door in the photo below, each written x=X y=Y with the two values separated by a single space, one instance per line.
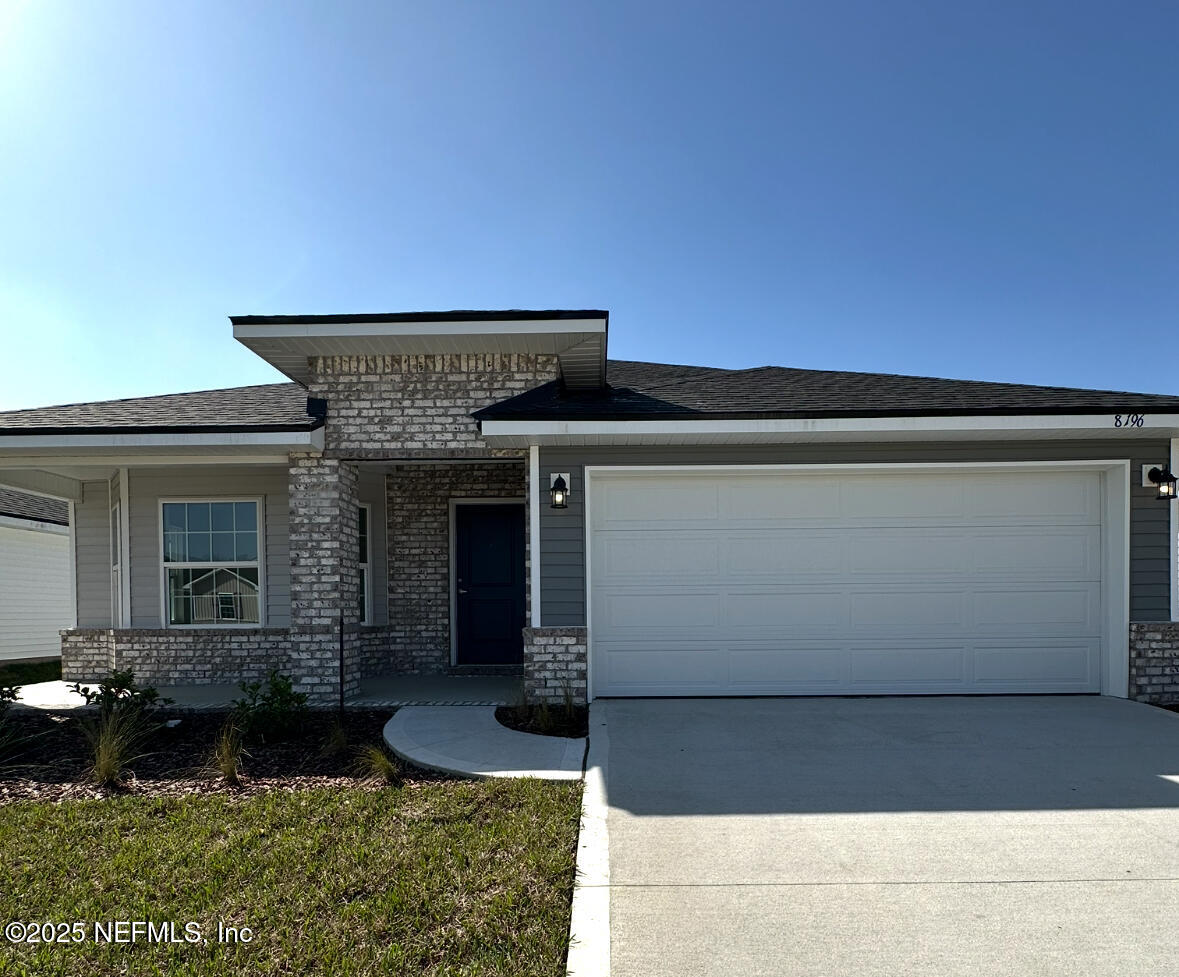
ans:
x=489 y=584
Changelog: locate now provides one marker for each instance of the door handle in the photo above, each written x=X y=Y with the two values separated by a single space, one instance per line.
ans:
x=462 y=590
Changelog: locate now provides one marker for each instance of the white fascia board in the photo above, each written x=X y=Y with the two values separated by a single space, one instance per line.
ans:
x=513 y=327
x=212 y=439
x=34 y=525
x=787 y=429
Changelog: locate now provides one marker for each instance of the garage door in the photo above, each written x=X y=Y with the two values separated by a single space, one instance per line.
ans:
x=831 y=582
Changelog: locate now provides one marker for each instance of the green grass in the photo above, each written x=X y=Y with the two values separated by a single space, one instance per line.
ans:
x=451 y=878
x=27 y=673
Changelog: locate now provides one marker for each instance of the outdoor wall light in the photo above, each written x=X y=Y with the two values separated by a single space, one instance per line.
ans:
x=559 y=490
x=1165 y=481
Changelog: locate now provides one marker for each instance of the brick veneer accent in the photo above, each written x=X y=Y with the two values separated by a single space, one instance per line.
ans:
x=555 y=664
x=324 y=578
x=1154 y=661
x=419 y=553
x=176 y=656
x=394 y=406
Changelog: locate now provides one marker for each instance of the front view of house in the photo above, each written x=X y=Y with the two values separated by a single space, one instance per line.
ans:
x=475 y=492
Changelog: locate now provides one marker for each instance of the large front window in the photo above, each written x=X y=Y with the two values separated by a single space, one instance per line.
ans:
x=212 y=570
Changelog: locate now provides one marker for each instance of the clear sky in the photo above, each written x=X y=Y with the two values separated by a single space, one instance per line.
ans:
x=973 y=188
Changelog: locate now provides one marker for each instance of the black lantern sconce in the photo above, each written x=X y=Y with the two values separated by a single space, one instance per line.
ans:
x=1164 y=481
x=559 y=491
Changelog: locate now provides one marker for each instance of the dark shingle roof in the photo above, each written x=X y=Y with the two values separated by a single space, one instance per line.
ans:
x=268 y=407
x=638 y=391
x=455 y=315
x=18 y=505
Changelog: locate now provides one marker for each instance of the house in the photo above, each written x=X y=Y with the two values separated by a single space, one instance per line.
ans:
x=36 y=599
x=470 y=492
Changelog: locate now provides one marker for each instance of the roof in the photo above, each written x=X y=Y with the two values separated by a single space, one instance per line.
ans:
x=19 y=505
x=266 y=407
x=647 y=391
x=457 y=315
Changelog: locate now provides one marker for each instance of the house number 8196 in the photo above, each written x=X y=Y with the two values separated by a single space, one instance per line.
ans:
x=1129 y=420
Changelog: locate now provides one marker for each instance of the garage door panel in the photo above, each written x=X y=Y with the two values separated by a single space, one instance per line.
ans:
x=1039 y=664
x=1036 y=610
x=908 y=665
x=867 y=583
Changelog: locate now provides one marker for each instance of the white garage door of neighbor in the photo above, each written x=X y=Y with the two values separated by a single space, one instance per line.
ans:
x=833 y=582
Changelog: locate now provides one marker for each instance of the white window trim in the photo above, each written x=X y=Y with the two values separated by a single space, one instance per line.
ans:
x=367 y=567
x=115 y=533
x=260 y=563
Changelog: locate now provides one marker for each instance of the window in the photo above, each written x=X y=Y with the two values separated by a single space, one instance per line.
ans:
x=362 y=565
x=212 y=570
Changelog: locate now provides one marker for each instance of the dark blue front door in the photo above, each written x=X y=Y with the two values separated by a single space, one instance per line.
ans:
x=489 y=584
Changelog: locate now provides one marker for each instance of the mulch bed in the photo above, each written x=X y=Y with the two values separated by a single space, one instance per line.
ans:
x=177 y=760
x=554 y=721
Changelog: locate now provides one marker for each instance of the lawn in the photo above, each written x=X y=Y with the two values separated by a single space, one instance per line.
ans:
x=439 y=877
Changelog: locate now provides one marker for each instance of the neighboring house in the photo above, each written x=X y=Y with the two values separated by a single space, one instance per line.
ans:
x=36 y=594
x=724 y=532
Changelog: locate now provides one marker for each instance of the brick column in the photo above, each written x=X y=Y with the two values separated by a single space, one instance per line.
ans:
x=324 y=578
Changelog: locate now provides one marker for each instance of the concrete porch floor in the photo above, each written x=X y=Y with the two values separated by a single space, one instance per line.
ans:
x=375 y=693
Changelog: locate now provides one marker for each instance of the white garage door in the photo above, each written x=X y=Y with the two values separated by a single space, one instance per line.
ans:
x=773 y=582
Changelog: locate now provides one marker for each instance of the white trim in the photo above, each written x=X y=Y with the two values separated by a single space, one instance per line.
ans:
x=452 y=571
x=1173 y=549
x=107 y=462
x=406 y=329
x=73 y=563
x=292 y=439
x=125 y=548
x=533 y=548
x=788 y=429
x=34 y=525
x=114 y=533
x=1115 y=540
x=368 y=567
x=212 y=564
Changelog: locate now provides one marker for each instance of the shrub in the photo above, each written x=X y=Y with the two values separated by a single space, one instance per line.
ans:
x=228 y=752
x=8 y=694
x=374 y=764
x=119 y=691
x=115 y=738
x=336 y=741
x=272 y=709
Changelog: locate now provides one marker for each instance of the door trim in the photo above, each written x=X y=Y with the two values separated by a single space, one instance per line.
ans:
x=1115 y=540
x=452 y=545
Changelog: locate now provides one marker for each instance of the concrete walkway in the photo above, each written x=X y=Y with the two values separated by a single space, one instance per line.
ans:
x=930 y=837
x=468 y=740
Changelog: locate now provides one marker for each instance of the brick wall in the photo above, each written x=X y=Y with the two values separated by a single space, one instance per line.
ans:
x=395 y=406
x=325 y=582
x=177 y=656
x=555 y=664
x=419 y=554
x=1154 y=661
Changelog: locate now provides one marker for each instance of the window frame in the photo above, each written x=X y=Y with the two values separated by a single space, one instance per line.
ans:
x=115 y=525
x=366 y=567
x=260 y=563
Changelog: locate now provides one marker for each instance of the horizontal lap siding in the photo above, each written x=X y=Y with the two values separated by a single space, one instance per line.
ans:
x=34 y=592
x=93 y=555
x=149 y=485
x=563 y=530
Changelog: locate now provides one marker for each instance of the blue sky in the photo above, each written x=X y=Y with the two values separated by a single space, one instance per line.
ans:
x=969 y=189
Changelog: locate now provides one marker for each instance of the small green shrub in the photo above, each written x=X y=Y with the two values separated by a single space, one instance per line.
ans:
x=115 y=737
x=119 y=691
x=270 y=709
x=8 y=694
x=228 y=752
x=374 y=764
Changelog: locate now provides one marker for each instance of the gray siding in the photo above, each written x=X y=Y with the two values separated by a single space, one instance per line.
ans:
x=563 y=530
x=149 y=485
x=93 y=555
x=371 y=490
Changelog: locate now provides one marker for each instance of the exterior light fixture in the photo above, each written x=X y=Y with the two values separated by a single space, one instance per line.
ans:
x=1165 y=482
x=559 y=490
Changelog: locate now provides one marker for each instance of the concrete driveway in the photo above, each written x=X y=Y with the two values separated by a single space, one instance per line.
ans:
x=896 y=836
